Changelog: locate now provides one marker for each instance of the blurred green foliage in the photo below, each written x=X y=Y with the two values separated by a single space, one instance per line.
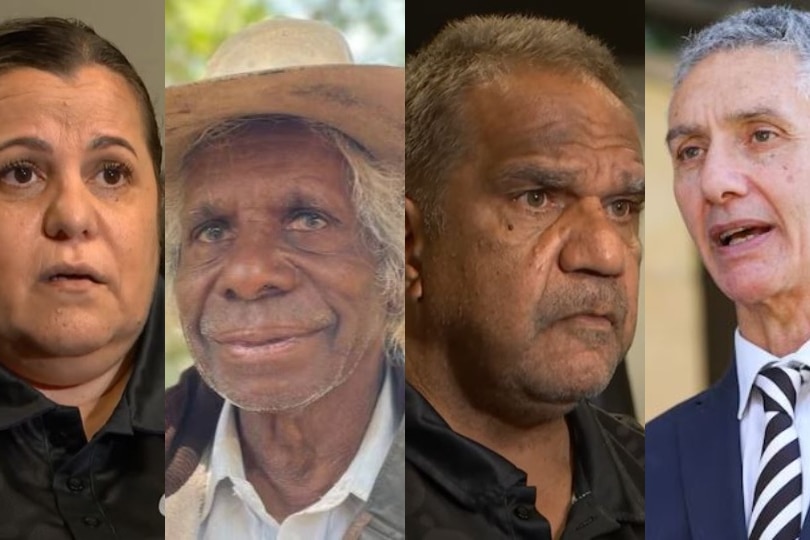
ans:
x=375 y=30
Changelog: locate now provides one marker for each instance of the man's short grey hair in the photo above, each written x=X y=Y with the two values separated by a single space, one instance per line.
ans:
x=777 y=28
x=466 y=54
x=377 y=191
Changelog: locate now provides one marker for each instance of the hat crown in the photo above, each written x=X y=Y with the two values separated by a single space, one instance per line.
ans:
x=278 y=44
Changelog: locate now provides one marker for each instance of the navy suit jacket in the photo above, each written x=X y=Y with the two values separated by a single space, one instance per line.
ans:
x=694 y=469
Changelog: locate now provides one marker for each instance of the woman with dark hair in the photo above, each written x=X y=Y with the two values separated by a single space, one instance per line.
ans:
x=81 y=299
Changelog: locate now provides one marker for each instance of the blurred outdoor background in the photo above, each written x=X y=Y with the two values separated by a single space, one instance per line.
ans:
x=375 y=31
x=690 y=324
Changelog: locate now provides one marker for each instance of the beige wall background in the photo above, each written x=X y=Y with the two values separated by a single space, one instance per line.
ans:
x=674 y=332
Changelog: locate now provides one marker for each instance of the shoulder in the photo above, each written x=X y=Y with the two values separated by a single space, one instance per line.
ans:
x=662 y=430
x=192 y=410
x=622 y=432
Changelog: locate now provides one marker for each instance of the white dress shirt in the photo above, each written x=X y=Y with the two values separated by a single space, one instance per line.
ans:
x=233 y=510
x=750 y=360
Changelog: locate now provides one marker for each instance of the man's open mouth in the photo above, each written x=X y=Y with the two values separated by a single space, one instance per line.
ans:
x=739 y=235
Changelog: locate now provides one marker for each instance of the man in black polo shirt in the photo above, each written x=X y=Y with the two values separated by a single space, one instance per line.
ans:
x=524 y=192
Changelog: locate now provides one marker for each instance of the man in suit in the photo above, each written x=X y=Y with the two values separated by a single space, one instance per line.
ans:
x=734 y=461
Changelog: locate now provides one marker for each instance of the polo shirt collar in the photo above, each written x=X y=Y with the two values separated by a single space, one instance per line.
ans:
x=469 y=471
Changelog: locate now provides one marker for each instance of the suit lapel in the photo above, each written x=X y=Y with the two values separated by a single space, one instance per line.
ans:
x=711 y=463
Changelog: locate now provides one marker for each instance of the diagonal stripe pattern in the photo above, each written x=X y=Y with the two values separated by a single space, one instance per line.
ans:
x=777 y=511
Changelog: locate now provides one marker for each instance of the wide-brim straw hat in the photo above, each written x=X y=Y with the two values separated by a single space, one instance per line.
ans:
x=292 y=67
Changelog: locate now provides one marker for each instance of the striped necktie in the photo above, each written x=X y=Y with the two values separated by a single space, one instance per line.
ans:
x=777 y=511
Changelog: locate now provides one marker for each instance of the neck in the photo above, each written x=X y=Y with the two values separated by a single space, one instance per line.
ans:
x=312 y=446
x=93 y=382
x=779 y=327
x=542 y=449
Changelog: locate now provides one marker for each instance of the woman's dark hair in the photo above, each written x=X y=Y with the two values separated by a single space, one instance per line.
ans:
x=61 y=47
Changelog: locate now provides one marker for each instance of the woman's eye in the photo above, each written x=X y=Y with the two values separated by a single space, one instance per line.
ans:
x=18 y=174
x=114 y=174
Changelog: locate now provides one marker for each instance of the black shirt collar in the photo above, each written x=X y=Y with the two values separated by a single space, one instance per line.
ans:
x=141 y=407
x=606 y=470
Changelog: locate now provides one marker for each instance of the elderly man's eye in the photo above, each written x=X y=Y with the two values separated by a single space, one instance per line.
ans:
x=19 y=174
x=763 y=135
x=689 y=153
x=624 y=208
x=210 y=233
x=308 y=221
x=535 y=198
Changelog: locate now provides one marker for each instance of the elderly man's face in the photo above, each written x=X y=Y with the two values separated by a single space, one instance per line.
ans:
x=276 y=290
x=740 y=145
x=534 y=278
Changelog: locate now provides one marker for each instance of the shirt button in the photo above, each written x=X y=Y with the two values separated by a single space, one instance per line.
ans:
x=522 y=512
x=91 y=521
x=75 y=485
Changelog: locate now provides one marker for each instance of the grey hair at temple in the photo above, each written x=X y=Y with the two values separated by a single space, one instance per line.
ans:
x=471 y=52
x=778 y=28
x=377 y=195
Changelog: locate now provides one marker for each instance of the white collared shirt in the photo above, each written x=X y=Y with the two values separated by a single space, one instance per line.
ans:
x=233 y=510
x=750 y=360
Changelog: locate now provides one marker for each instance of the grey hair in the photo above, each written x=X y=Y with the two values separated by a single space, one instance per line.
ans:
x=377 y=191
x=471 y=52
x=778 y=28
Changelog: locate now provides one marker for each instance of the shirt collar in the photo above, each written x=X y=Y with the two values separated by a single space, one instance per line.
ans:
x=469 y=471
x=751 y=359
x=142 y=402
x=358 y=479
x=144 y=393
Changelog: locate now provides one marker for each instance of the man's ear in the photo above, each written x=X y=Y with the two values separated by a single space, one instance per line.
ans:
x=414 y=243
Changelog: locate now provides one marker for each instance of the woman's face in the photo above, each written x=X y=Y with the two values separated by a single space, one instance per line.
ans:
x=79 y=243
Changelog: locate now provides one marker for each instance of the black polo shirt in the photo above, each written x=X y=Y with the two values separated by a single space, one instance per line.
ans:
x=457 y=489
x=55 y=485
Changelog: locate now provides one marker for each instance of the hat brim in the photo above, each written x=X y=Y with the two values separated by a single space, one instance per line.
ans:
x=365 y=102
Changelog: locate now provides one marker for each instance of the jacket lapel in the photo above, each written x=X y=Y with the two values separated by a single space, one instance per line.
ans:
x=709 y=444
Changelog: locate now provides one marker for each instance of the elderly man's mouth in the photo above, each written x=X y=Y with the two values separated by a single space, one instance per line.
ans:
x=260 y=345
x=739 y=233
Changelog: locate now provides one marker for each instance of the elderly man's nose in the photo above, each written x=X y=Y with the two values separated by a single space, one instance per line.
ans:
x=256 y=269
x=722 y=177
x=594 y=244
x=70 y=213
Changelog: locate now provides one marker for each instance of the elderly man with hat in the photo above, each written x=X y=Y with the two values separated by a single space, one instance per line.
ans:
x=285 y=222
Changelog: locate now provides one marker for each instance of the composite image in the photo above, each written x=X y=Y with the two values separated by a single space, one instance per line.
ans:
x=378 y=270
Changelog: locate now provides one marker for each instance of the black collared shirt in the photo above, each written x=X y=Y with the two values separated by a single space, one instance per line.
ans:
x=56 y=485
x=457 y=489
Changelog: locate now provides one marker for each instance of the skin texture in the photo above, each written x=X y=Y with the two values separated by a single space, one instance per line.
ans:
x=526 y=300
x=282 y=265
x=740 y=145
x=84 y=195
x=280 y=307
